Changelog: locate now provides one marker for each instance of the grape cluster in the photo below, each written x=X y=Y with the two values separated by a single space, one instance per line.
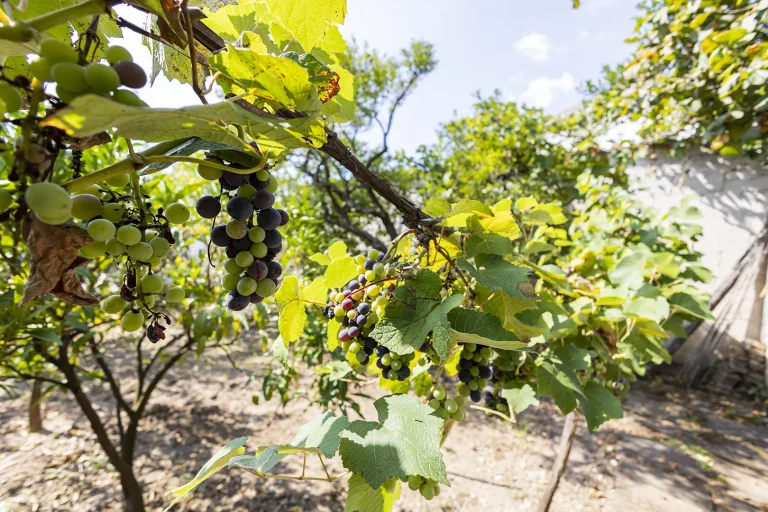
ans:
x=62 y=64
x=495 y=401
x=118 y=230
x=426 y=487
x=446 y=407
x=251 y=238
x=359 y=306
x=474 y=370
x=10 y=98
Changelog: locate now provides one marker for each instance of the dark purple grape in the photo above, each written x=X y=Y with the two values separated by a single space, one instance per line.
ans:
x=275 y=250
x=225 y=185
x=274 y=270
x=208 y=207
x=370 y=342
x=219 y=236
x=256 y=183
x=369 y=264
x=258 y=270
x=131 y=74
x=269 y=257
x=268 y=219
x=361 y=279
x=364 y=308
x=237 y=302
x=272 y=238
x=403 y=373
x=239 y=208
x=368 y=351
x=362 y=359
x=283 y=217
x=353 y=285
x=381 y=257
x=347 y=304
x=495 y=370
x=488 y=398
x=385 y=372
x=465 y=376
x=243 y=244
x=475 y=396
x=379 y=364
x=346 y=293
x=231 y=252
x=255 y=298
x=381 y=350
x=485 y=372
x=263 y=199
x=345 y=322
x=235 y=179
x=424 y=346
x=353 y=331
x=344 y=335
x=361 y=320
x=465 y=364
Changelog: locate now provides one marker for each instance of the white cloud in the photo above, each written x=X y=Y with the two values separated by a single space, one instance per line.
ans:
x=540 y=91
x=535 y=46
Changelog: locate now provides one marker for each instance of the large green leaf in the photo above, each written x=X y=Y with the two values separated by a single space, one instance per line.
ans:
x=560 y=384
x=488 y=243
x=495 y=273
x=340 y=271
x=599 y=405
x=656 y=309
x=417 y=310
x=404 y=441
x=91 y=114
x=519 y=397
x=308 y=20
x=689 y=305
x=361 y=498
x=629 y=271
x=482 y=329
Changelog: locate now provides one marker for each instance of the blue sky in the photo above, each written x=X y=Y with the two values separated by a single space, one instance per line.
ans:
x=537 y=52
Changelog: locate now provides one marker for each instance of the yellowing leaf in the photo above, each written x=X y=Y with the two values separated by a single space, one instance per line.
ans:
x=340 y=271
x=316 y=291
x=337 y=250
x=308 y=20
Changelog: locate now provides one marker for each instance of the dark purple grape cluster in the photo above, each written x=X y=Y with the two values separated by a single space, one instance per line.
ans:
x=496 y=402
x=251 y=238
x=474 y=370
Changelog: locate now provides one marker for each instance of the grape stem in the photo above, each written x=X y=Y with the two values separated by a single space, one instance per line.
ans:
x=495 y=413
x=192 y=50
x=327 y=478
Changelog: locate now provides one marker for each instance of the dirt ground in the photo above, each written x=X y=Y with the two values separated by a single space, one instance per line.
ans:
x=675 y=450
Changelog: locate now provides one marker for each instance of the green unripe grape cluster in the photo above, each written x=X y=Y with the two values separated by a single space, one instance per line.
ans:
x=447 y=407
x=426 y=487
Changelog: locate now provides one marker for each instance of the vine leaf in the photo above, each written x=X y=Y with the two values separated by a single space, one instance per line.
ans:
x=488 y=243
x=308 y=20
x=340 y=271
x=361 y=498
x=482 y=329
x=404 y=441
x=416 y=311
x=599 y=405
x=506 y=309
x=557 y=377
x=520 y=396
x=54 y=258
x=496 y=274
x=218 y=461
x=280 y=352
x=688 y=305
x=290 y=300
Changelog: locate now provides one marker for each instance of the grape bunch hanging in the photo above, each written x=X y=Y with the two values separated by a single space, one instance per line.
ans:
x=250 y=238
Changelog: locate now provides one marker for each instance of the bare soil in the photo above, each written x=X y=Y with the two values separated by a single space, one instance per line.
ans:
x=675 y=449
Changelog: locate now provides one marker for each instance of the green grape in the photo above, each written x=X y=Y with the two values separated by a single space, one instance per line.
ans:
x=16 y=32
x=244 y=259
x=266 y=288
x=237 y=229
x=355 y=347
x=370 y=275
x=128 y=98
x=177 y=213
x=379 y=270
x=439 y=392
x=115 y=54
x=118 y=180
x=229 y=282
x=481 y=383
x=386 y=359
x=434 y=404
x=459 y=415
x=373 y=254
x=70 y=77
x=113 y=212
x=501 y=407
x=132 y=322
x=460 y=400
x=160 y=247
x=463 y=389
x=351 y=314
x=152 y=283
x=256 y=234
x=470 y=347
x=338 y=312
x=450 y=406
x=472 y=385
x=262 y=175
x=94 y=190
x=272 y=186
x=129 y=235
x=6 y=199
x=113 y=304
x=427 y=491
x=466 y=355
x=360 y=259
x=231 y=267
x=11 y=97
x=93 y=251
x=41 y=69
x=396 y=364
x=85 y=206
x=259 y=250
x=101 y=230
x=474 y=371
x=373 y=291
x=246 y=191
x=149 y=301
x=58 y=51
x=477 y=357
x=210 y=173
x=155 y=262
x=149 y=235
x=360 y=269
x=175 y=294
x=49 y=201
x=486 y=352
x=361 y=357
x=246 y=286
x=141 y=251
x=115 y=247
x=65 y=95
x=101 y=78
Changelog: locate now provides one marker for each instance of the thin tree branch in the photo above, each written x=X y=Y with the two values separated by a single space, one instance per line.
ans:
x=110 y=378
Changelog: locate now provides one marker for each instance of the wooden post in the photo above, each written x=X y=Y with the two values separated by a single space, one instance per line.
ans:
x=558 y=467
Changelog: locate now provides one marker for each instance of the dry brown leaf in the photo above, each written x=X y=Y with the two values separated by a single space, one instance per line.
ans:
x=88 y=142
x=54 y=259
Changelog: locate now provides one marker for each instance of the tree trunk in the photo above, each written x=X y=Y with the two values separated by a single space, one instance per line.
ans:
x=566 y=440
x=35 y=412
